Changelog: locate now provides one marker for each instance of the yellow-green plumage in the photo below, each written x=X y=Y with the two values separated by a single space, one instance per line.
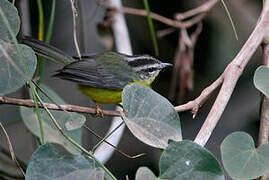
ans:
x=107 y=96
x=103 y=76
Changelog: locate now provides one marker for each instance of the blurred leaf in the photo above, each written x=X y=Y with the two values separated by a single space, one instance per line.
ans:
x=144 y=173
x=51 y=133
x=12 y=69
x=12 y=16
x=187 y=160
x=261 y=80
x=240 y=157
x=47 y=164
x=149 y=116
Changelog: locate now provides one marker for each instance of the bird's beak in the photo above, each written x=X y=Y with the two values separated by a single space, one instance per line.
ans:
x=164 y=65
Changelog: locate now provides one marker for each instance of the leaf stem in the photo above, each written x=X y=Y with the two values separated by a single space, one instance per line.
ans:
x=151 y=27
x=71 y=140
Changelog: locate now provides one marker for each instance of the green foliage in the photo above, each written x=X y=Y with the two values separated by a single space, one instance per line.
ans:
x=47 y=164
x=261 y=80
x=186 y=160
x=150 y=116
x=151 y=27
x=241 y=159
x=70 y=123
x=144 y=173
x=12 y=16
x=12 y=70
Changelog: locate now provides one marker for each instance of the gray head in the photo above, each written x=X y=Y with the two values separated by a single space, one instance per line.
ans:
x=145 y=66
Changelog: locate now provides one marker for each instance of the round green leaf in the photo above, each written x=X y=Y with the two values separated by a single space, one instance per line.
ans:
x=51 y=133
x=186 y=160
x=14 y=72
x=144 y=173
x=11 y=13
x=149 y=116
x=47 y=164
x=261 y=80
x=240 y=157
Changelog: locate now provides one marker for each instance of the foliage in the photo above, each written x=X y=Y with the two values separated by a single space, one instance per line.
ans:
x=240 y=157
x=71 y=123
x=148 y=115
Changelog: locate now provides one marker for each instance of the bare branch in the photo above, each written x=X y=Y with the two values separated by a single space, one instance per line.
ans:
x=232 y=73
x=264 y=124
x=195 y=104
x=155 y=16
x=12 y=153
x=66 y=107
x=201 y=9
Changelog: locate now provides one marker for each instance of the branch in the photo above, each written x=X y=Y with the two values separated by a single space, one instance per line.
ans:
x=206 y=7
x=232 y=73
x=155 y=16
x=195 y=104
x=66 y=107
x=264 y=125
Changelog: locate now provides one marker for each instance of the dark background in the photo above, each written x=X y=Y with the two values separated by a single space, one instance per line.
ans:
x=216 y=47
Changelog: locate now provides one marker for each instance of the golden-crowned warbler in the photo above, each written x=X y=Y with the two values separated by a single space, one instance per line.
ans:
x=101 y=76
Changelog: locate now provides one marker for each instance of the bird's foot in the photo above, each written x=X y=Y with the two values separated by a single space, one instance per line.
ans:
x=98 y=111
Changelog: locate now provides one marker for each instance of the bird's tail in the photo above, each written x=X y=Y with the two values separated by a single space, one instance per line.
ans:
x=47 y=51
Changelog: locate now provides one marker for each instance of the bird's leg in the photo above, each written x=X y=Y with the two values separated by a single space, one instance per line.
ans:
x=120 y=105
x=99 y=111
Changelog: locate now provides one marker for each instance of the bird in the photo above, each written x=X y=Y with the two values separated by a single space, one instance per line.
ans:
x=100 y=76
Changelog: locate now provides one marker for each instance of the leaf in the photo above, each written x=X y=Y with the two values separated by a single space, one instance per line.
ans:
x=261 y=80
x=149 y=116
x=240 y=157
x=144 y=173
x=186 y=160
x=12 y=16
x=51 y=133
x=47 y=164
x=14 y=72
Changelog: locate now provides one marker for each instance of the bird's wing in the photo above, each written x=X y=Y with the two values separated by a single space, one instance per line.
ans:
x=90 y=72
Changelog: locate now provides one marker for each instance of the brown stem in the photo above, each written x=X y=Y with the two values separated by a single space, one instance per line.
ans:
x=155 y=16
x=264 y=124
x=66 y=107
x=201 y=9
x=232 y=73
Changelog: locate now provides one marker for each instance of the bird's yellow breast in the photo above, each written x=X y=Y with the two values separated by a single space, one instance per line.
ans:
x=108 y=96
x=103 y=96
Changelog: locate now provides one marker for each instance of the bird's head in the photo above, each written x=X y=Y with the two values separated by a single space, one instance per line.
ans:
x=146 y=67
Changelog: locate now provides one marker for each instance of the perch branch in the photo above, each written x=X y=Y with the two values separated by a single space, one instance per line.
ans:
x=66 y=107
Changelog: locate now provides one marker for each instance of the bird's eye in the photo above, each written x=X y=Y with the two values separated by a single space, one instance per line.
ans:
x=151 y=69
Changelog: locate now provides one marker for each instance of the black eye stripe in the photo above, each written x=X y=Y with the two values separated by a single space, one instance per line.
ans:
x=142 y=62
x=152 y=69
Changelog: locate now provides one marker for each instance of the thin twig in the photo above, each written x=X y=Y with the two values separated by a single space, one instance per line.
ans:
x=13 y=156
x=155 y=16
x=106 y=137
x=206 y=7
x=74 y=12
x=165 y=32
x=116 y=148
x=195 y=104
x=51 y=106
